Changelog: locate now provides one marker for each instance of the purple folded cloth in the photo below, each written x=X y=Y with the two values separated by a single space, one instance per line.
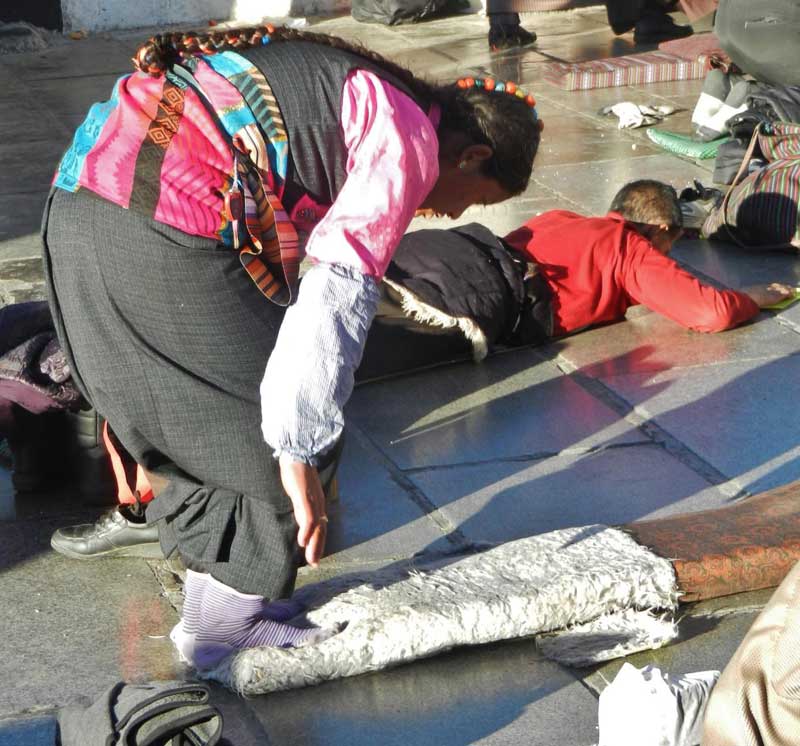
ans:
x=34 y=372
x=53 y=362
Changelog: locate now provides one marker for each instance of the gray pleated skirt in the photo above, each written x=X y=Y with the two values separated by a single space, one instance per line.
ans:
x=168 y=338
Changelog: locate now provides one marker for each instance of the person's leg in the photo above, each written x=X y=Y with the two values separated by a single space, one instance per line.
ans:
x=217 y=619
x=623 y=14
x=756 y=701
x=122 y=531
x=168 y=337
x=505 y=30
x=649 y=19
x=656 y=24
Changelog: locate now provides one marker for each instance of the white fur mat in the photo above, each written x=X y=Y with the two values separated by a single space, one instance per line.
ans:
x=607 y=595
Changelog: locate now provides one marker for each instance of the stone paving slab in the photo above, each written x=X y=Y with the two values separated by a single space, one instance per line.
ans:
x=505 y=501
x=593 y=45
x=76 y=95
x=735 y=267
x=582 y=139
x=568 y=23
x=593 y=185
x=432 y=64
x=513 y=406
x=492 y=695
x=589 y=102
x=22 y=216
x=38 y=124
x=502 y=218
x=19 y=291
x=76 y=59
x=374 y=517
x=28 y=168
x=649 y=342
x=71 y=628
x=737 y=416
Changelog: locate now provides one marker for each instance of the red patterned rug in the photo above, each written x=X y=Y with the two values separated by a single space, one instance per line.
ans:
x=749 y=545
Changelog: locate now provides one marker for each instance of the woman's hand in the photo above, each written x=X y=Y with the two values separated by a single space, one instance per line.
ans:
x=768 y=295
x=302 y=484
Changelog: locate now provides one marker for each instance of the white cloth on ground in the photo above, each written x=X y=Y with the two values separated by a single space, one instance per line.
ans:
x=648 y=707
x=633 y=115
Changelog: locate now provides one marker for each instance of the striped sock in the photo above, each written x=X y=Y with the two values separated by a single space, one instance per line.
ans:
x=193 y=590
x=229 y=620
x=281 y=610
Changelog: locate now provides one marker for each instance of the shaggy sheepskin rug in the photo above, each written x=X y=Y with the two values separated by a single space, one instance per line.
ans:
x=590 y=593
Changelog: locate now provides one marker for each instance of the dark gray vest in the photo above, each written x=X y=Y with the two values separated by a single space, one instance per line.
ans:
x=307 y=80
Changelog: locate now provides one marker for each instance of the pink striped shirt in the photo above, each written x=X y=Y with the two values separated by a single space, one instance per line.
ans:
x=392 y=164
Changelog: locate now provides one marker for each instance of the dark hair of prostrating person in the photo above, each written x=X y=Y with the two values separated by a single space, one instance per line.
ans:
x=503 y=122
x=649 y=202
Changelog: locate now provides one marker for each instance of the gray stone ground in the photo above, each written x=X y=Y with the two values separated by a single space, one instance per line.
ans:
x=640 y=419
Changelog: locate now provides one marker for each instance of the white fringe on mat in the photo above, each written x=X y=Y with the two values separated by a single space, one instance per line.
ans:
x=417 y=309
x=595 y=583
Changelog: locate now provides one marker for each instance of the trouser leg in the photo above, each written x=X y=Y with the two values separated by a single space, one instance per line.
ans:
x=757 y=699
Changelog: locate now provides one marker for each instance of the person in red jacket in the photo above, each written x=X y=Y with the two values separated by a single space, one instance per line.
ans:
x=597 y=267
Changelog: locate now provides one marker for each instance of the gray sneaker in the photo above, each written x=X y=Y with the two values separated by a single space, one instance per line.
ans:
x=116 y=533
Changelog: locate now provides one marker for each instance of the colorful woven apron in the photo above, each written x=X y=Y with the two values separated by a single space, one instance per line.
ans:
x=260 y=229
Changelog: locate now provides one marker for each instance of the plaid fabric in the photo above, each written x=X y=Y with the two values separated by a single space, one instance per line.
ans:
x=763 y=210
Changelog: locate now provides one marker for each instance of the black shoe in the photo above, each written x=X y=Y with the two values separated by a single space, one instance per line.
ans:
x=505 y=32
x=506 y=38
x=117 y=533
x=653 y=28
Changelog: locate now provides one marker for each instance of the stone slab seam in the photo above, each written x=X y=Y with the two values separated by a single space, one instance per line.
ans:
x=729 y=611
x=527 y=457
x=29 y=713
x=169 y=581
x=788 y=323
x=414 y=493
x=657 y=434
x=566 y=203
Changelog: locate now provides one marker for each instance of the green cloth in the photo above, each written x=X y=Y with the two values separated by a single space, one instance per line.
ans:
x=684 y=145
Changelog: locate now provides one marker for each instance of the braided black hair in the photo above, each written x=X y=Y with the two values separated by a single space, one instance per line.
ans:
x=502 y=122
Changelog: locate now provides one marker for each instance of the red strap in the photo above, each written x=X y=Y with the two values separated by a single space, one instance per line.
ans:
x=144 y=492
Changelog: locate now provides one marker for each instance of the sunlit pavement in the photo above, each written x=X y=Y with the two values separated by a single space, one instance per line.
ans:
x=639 y=419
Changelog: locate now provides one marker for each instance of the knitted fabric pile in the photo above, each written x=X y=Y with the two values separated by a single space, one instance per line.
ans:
x=594 y=591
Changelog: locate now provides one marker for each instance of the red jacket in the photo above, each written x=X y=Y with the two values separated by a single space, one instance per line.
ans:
x=598 y=267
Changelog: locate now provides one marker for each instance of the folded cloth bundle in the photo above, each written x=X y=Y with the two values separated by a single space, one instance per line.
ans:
x=633 y=115
x=163 y=713
x=34 y=372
